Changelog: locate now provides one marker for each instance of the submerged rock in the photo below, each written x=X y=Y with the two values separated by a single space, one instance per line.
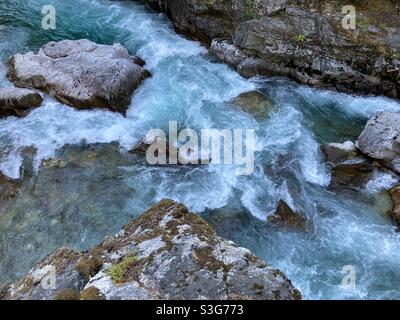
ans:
x=17 y=102
x=182 y=155
x=304 y=40
x=352 y=175
x=286 y=217
x=338 y=152
x=350 y=168
x=395 y=195
x=166 y=253
x=255 y=103
x=80 y=73
x=9 y=188
x=380 y=139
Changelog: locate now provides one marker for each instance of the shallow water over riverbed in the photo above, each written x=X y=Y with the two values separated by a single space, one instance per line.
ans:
x=92 y=191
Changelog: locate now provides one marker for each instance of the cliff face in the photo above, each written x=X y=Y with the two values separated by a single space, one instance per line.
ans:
x=304 y=40
x=166 y=253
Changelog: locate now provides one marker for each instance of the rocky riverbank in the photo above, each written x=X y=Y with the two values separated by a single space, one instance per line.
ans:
x=303 y=40
x=166 y=253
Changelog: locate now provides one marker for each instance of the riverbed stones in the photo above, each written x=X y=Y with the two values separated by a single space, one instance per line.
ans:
x=380 y=139
x=17 y=101
x=80 y=73
x=166 y=253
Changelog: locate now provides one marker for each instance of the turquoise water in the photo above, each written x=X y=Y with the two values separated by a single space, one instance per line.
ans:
x=78 y=205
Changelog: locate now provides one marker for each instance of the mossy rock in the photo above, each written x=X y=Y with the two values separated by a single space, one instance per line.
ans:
x=67 y=294
x=92 y=293
x=88 y=268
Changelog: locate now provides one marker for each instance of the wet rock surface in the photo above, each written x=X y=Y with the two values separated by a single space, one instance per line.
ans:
x=338 y=152
x=17 y=101
x=9 y=188
x=166 y=253
x=304 y=40
x=395 y=195
x=285 y=216
x=349 y=167
x=255 y=103
x=80 y=73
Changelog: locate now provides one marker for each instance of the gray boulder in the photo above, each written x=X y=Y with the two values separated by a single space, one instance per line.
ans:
x=380 y=139
x=166 y=253
x=17 y=101
x=80 y=73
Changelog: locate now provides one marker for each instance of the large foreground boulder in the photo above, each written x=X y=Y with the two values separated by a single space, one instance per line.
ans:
x=17 y=101
x=166 y=253
x=380 y=139
x=80 y=73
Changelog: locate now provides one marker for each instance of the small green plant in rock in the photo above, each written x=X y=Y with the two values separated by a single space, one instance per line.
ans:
x=362 y=24
x=250 y=9
x=300 y=38
x=117 y=271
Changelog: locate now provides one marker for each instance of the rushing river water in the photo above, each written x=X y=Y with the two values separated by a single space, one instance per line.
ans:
x=97 y=192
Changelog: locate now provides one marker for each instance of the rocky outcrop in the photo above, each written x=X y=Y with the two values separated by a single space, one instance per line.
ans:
x=166 y=253
x=286 y=217
x=380 y=139
x=304 y=40
x=80 y=73
x=17 y=102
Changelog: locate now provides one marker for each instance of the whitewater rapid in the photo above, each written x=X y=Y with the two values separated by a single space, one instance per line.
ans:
x=190 y=86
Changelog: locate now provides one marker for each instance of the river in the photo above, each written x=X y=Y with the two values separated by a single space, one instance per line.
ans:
x=79 y=207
